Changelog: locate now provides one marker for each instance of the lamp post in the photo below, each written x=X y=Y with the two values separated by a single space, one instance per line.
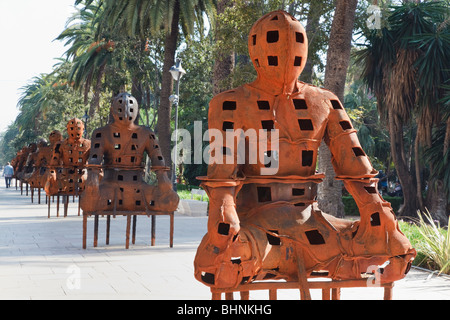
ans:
x=177 y=72
x=85 y=119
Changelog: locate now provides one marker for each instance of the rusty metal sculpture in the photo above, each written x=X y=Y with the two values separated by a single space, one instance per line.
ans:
x=264 y=222
x=43 y=156
x=22 y=165
x=118 y=149
x=67 y=166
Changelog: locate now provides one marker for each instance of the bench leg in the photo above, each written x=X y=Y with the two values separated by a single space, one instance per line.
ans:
x=171 y=229
x=95 y=230
x=84 y=228
x=133 y=239
x=108 y=226
x=127 y=239
x=153 y=230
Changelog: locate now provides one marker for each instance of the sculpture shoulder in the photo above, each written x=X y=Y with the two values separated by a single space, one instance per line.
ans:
x=227 y=100
x=320 y=97
x=311 y=90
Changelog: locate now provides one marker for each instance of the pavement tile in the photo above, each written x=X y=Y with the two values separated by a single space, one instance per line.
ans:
x=43 y=259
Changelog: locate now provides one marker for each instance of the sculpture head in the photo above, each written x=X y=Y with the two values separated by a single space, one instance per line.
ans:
x=55 y=136
x=124 y=109
x=278 y=47
x=75 y=129
x=32 y=147
x=41 y=143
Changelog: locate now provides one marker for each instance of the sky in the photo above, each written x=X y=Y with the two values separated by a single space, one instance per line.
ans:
x=27 y=49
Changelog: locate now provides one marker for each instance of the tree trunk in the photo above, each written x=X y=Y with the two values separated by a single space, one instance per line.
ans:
x=438 y=202
x=312 y=24
x=165 y=107
x=410 y=203
x=338 y=57
x=224 y=63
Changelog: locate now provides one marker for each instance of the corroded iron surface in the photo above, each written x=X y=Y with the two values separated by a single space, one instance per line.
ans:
x=41 y=160
x=118 y=150
x=67 y=166
x=264 y=222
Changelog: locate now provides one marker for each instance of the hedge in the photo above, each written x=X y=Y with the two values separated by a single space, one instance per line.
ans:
x=351 y=209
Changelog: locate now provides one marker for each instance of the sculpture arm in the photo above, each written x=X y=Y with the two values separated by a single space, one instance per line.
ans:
x=222 y=182
x=353 y=166
x=56 y=155
x=157 y=160
x=97 y=148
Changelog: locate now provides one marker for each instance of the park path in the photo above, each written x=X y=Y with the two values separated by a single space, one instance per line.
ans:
x=42 y=258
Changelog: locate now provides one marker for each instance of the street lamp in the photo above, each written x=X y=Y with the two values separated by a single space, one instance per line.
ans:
x=177 y=72
x=85 y=119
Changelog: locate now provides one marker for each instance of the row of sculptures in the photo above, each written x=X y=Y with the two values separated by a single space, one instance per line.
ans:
x=260 y=226
x=114 y=158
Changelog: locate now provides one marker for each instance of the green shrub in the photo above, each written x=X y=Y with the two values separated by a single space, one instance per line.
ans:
x=351 y=209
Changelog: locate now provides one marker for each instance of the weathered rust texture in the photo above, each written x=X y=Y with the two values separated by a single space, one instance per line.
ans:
x=67 y=171
x=43 y=156
x=118 y=151
x=264 y=222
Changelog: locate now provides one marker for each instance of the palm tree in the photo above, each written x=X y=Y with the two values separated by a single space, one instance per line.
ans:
x=142 y=18
x=90 y=51
x=406 y=65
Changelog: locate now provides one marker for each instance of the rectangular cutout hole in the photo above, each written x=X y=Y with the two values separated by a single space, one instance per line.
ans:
x=264 y=194
x=254 y=39
x=300 y=104
x=315 y=237
x=370 y=189
x=358 y=151
x=298 y=191
x=263 y=105
x=345 y=125
x=223 y=228
x=305 y=124
x=307 y=158
x=297 y=61
x=375 y=219
x=227 y=125
x=299 y=37
x=116 y=134
x=272 y=61
x=208 y=278
x=272 y=36
x=117 y=146
x=229 y=105
x=273 y=240
x=336 y=104
x=267 y=124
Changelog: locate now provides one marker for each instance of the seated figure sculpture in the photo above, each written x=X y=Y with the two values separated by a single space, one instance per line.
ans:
x=43 y=157
x=67 y=174
x=264 y=222
x=119 y=149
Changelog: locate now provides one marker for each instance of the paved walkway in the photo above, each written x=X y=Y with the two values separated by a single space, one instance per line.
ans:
x=42 y=258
